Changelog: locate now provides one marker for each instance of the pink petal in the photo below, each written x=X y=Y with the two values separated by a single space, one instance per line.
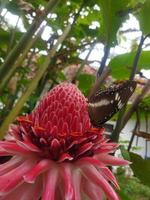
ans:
x=55 y=148
x=13 y=178
x=90 y=160
x=106 y=148
x=93 y=175
x=9 y=165
x=12 y=133
x=110 y=177
x=76 y=177
x=50 y=181
x=25 y=192
x=111 y=160
x=84 y=148
x=108 y=174
x=65 y=156
x=39 y=168
x=67 y=178
x=3 y=152
x=28 y=146
x=92 y=190
x=12 y=148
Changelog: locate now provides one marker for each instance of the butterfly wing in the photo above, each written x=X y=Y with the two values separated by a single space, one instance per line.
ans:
x=104 y=104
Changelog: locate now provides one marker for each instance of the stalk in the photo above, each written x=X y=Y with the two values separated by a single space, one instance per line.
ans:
x=18 y=49
x=83 y=63
x=99 y=82
x=19 y=61
x=104 y=59
x=135 y=103
x=118 y=127
x=12 y=39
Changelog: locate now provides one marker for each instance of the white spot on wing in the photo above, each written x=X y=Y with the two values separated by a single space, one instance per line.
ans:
x=103 y=102
x=131 y=89
x=117 y=96
x=120 y=105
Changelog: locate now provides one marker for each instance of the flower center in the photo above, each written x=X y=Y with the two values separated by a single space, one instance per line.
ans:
x=63 y=111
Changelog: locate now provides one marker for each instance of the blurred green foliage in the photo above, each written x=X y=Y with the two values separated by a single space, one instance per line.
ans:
x=131 y=188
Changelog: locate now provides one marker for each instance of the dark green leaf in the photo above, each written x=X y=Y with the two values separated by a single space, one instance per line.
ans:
x=141 y=168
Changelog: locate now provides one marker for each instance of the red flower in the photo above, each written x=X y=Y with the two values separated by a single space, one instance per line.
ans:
x=56 y=154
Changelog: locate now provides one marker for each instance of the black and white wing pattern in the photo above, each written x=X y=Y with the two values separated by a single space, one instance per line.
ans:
x=105 y=103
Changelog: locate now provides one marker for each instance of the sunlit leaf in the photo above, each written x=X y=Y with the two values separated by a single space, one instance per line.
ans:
x=121 y=65
x=113 y=14
x=85 y=83
x=143 y=16
x=124 y=152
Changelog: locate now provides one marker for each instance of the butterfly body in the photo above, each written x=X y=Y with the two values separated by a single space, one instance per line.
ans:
x=105 y=103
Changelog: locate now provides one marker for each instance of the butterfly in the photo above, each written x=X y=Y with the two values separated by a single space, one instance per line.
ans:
x=105 y=103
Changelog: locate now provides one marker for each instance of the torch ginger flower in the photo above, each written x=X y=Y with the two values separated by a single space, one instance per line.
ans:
x=57 y=154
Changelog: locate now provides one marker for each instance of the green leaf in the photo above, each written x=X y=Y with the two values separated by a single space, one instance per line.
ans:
x=123 y=195
x=121 y=65
x=141 y=168
x=113 y=15
x=131 y=188
x=144 y=105
x=124 y=152
x=143 y=16
x=85 y=83
x=61 y=76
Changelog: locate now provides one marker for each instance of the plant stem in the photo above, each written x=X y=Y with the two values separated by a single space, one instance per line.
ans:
x=101 y=74
x=17 y=50
x=11 y=71
x=2 y=17
x=98 y=82
x=136 y=59
x=135 y=103
x=12 y=39
x=83 y=63
x=104 y=59
x=118 y=127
